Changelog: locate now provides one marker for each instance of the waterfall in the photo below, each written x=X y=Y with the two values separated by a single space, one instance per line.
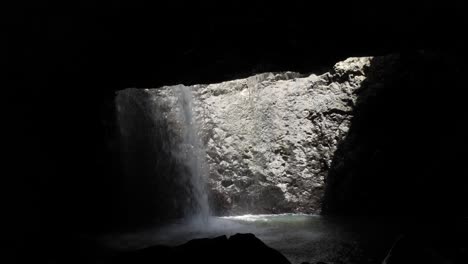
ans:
x=162 y=157
x=192 y=153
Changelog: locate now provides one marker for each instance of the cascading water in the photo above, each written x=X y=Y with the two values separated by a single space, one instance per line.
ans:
x=192 y=154
x=162 y=156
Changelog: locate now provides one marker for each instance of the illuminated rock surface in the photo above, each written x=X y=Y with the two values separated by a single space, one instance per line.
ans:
x=269 y=139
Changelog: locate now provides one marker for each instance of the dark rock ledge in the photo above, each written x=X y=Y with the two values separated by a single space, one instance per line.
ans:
x=239 y=248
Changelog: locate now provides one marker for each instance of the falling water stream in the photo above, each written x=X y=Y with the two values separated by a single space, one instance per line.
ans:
x=192 y=154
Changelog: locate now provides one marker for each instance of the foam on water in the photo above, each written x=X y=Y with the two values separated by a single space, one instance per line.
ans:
x=269 y=217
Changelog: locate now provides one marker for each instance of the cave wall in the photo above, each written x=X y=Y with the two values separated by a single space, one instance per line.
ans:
x=406 y=147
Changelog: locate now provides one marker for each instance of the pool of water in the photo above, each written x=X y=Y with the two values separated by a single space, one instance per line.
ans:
x=299 y=237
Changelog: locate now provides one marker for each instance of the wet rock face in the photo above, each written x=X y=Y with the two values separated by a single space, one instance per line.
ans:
x=270 y=138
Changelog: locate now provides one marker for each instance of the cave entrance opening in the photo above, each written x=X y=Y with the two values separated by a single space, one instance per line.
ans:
x=260 y=145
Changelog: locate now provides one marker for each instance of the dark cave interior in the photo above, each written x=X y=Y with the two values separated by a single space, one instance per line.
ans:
x=404 y=156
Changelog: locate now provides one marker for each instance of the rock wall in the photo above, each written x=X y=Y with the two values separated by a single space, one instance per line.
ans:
x=405 y=153
x=270 y=138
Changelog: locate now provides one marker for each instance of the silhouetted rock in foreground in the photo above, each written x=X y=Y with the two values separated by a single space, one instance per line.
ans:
x=239 y=248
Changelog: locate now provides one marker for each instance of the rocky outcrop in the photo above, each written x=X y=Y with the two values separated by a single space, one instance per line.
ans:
x=269 y=139
x=405 y=151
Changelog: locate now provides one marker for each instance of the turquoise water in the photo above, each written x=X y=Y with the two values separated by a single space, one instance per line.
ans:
x=299 y=237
